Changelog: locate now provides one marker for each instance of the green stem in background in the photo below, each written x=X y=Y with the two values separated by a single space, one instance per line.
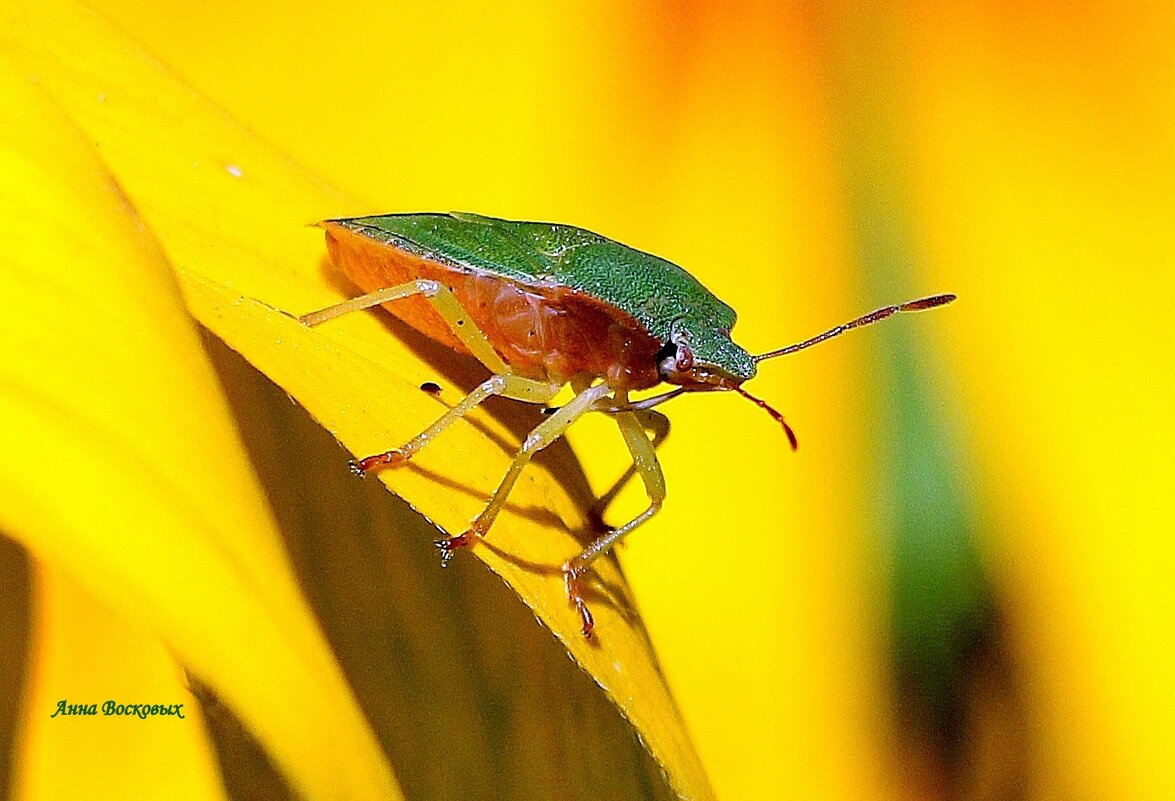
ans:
x=942 y=610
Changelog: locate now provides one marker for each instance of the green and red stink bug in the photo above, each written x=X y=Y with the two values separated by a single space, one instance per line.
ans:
x=542 y=306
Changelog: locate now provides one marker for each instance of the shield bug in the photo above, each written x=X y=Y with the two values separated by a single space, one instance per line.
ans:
x=543 y=305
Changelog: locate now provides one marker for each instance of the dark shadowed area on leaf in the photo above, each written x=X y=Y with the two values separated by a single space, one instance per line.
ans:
x=15 y=612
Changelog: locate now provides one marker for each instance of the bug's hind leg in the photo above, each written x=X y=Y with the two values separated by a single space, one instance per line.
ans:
x=503 y=382
x=540 y=437
x=644 y=460
x=446 y=305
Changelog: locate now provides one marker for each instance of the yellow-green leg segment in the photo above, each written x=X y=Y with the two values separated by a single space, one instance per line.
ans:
x=508 y=386
x=658 y=425
x=644 y=459
x=444 y=301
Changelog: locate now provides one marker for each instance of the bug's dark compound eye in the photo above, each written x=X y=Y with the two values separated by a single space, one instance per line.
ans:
x=674 y=359
x=431 y=388
x=667 y=359
x=676 y=356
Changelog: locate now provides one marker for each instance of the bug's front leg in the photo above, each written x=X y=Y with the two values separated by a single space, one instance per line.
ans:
x=644 y=460
x=652 y=421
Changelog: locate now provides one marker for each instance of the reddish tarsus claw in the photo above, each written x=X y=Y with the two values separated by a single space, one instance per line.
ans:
x=589 y=625
x=571 y=583
x=362 y=467
x=451 y=544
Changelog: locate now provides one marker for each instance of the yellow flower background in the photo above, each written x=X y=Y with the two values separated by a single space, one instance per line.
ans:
x=960 y=586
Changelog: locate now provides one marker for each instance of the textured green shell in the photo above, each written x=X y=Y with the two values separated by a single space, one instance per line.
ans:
x=661 y=296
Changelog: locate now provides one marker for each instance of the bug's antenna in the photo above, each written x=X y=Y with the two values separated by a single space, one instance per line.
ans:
x=791 y=435
x=868 y=319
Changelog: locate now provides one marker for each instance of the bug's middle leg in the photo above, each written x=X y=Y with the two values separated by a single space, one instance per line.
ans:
x=540 y=437
x=508 y=386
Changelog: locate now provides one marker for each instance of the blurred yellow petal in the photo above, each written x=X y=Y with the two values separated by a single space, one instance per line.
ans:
x=121 y=466
x=230 y=213
x=1048 y=139
x=88 y=655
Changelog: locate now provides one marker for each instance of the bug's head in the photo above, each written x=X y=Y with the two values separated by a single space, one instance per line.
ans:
x=701 y=358
x=704 y=360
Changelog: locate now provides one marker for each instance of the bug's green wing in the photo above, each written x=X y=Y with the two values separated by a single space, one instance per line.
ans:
x=465 y=240
x=661 y=296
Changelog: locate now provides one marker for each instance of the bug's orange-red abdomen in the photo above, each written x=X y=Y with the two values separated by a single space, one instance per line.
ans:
x=540 y=331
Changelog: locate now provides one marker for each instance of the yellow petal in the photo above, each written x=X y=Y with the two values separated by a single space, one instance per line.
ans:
x=121 y=466
x=231 y=215
x=87 y=656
